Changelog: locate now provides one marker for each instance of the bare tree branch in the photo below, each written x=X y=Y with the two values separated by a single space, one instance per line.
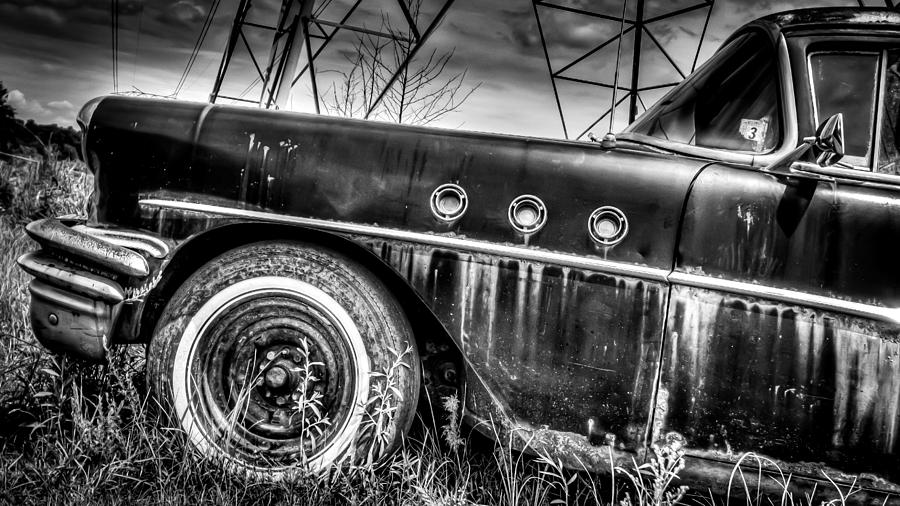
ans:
x=422 y=93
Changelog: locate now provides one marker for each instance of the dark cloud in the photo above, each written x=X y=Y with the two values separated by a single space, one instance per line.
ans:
x=183 y=12
x=47 y=14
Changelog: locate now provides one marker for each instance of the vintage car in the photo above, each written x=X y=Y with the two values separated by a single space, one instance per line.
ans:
x=724 y=278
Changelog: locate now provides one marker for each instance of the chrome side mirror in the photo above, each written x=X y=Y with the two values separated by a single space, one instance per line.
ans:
x=829 y=141
x=827 y=145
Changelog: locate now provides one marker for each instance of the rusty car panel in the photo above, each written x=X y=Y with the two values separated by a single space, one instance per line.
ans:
x=806 y=385
x=736 y=308
x=559 y=347
x=599 y=328
x=325 y=167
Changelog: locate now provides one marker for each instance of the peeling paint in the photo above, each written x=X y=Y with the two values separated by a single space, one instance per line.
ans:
x=819 y=388
x=553 y=345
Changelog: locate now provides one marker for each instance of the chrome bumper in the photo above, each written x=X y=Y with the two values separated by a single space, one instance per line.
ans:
x=78 y=293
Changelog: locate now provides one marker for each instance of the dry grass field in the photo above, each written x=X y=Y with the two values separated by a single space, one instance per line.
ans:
x=75 y=434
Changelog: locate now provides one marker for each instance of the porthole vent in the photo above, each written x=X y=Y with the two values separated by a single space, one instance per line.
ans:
x=449 y=202
x=527 y=214
x=608 y=225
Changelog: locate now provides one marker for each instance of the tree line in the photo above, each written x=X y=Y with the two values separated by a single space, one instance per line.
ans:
x=32 y=140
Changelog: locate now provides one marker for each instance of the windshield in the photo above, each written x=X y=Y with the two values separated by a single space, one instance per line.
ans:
x=731 y=103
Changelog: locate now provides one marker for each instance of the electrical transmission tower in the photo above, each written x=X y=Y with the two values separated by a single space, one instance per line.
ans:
x=639 y=26
x=303 y=32
x=306 y=29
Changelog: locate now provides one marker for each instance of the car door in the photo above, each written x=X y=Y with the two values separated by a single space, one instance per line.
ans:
x=782 y=330
x=561 y=330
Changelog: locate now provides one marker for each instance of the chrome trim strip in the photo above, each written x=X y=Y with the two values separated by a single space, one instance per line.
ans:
x=51 y=233
x=57 y=273
x=470 y=245
x=854 y=175
x=881 y=83
x=885 y=314
x=789 y=107
x=145 y=243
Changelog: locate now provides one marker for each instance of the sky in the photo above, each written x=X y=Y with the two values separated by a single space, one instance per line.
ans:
x=55 y=55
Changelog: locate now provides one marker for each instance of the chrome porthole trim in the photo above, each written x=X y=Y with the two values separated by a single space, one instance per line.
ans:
x=608 y=225
x=527 y=214
x=449 y=202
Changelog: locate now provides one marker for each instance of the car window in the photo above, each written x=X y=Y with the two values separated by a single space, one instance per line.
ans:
x=889 y=153
x=732 y=103
x=845 y=82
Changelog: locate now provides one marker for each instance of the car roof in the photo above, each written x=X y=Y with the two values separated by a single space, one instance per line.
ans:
x=832 y=17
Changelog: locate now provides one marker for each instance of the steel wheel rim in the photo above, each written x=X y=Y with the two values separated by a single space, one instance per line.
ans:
x=201 y=421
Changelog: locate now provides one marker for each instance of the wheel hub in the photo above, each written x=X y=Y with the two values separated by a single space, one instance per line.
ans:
x=287 y=373
x=276 y=366
x=276 y=377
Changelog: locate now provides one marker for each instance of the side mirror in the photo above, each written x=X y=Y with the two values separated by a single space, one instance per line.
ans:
x=829 y=141
x=827 y=145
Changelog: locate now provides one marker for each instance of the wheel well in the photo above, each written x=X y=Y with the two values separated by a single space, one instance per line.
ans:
x=442 y=360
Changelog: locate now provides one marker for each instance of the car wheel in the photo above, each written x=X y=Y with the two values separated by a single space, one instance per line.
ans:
x=279 y=356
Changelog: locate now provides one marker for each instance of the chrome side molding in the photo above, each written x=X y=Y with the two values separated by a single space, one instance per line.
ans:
x=879 y=313
x=765 y=292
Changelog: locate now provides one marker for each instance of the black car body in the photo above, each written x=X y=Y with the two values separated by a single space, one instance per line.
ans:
x=668 y=289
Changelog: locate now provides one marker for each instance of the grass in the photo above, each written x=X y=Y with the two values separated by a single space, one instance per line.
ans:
x=73 y=433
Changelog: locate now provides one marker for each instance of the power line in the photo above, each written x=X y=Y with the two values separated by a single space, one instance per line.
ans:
x=210 y=14
x=258 y=79
x=114 y=21
x=192 y=82
x=322 y=8
x=137 y=49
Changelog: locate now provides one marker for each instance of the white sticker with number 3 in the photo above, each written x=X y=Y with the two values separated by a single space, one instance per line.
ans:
x=754 y=130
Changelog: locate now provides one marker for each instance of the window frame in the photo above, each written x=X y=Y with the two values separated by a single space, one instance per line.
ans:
x=789 y=135
x=725 y=61
x=870 y=161
x=879 y=40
